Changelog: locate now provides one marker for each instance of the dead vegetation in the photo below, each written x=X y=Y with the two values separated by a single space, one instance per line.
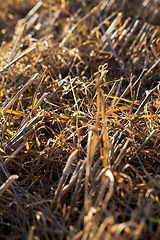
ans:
x=80 y=139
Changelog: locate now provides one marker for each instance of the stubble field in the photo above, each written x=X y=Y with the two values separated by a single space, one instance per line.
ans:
x=80 y=123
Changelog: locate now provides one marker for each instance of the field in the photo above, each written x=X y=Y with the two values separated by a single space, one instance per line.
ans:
x=80 y=123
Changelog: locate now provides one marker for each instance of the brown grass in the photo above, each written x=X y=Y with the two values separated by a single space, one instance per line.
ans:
x=80 y=135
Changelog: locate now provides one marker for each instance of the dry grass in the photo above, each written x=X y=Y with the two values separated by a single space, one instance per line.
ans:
x=80 y=135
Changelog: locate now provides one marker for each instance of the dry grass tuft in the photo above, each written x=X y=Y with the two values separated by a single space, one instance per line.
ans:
x=80 y=123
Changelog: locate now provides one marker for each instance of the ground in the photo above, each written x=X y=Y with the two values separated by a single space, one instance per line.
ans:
x=80 y=130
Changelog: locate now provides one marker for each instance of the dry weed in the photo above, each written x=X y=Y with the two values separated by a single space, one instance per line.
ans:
x=80 y=136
